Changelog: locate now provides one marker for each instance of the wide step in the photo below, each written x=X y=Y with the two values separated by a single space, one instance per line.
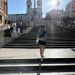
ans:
x=37 y=61
x=47 y=66
x=30 y=47
x=36 y=69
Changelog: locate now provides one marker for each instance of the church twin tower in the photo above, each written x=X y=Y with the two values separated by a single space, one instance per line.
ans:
x=36 y=12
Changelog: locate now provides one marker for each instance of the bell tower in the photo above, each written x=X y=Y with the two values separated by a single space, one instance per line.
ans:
x=29 y=8
x=29 y=5
x=39 y=6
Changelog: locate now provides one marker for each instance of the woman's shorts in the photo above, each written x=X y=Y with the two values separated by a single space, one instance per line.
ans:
x=41 y=42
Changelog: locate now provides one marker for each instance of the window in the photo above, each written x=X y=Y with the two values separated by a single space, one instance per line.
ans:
x=29 y=6
x=1 y=4
x=5 y=21
x=0 y=19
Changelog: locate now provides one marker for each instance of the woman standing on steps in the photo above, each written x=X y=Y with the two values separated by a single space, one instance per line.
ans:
x=41 y=39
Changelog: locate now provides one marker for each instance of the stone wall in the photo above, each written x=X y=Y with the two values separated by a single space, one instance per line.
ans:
x=4 y=40
x=1 y=38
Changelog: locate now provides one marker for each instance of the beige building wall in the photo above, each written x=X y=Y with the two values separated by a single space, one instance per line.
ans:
x=72 y=13
x=3 y=18
x=3 y=12
x=70 y=9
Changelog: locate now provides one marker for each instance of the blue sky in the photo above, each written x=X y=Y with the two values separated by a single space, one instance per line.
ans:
x=19 y=6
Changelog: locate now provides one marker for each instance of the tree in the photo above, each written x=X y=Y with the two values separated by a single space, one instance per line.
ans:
x=48 y=17
x=66 y=20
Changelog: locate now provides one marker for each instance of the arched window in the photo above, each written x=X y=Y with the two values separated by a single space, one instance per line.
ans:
x=0 y=19
x=5 y=21
x=28 y=6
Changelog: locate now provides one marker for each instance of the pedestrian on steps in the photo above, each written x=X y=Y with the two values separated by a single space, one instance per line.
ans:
x=41 y=39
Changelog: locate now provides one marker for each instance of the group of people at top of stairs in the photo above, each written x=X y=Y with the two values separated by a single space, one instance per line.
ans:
x=41 y=40
x=13 y=29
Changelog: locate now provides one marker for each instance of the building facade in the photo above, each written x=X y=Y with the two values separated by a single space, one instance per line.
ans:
x=17 y=17
x=33 y=13
x=29 y=9
x=70 y=9
x=36 y=12
x=3 y=12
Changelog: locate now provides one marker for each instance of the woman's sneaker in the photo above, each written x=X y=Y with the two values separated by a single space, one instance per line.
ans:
x=42 y=57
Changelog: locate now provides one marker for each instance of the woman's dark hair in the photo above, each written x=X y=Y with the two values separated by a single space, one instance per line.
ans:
x=43 y=26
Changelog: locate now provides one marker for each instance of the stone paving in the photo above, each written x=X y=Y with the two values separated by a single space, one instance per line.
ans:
x=34 y=53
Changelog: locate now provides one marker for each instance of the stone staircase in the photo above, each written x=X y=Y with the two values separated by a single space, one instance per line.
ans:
x=58 y=40
x=49 y=65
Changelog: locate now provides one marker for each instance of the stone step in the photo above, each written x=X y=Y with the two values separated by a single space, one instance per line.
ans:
x=31 y=47
x=49 y=37
x=37 y=69
x=67 y=73
x=34 y=44
x=48 y=41
x=55 y=61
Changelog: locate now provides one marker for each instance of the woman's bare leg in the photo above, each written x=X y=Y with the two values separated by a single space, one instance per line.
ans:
x=40 y=50
x=43 y=49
